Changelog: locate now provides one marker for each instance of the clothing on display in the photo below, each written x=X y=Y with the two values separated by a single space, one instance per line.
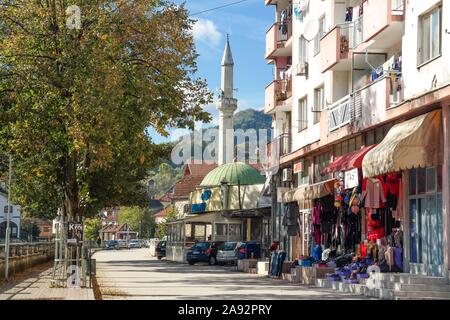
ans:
x=349 y=14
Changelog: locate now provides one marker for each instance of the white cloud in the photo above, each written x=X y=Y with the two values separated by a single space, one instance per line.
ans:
x=206 y=31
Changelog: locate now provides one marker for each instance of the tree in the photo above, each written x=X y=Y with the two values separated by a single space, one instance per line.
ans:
x=162 y=229
x=164 y=176
x=75 y=104
x=139 y=219
x=92 y=228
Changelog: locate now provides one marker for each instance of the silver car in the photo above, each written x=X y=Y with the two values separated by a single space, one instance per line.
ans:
x=226 y=253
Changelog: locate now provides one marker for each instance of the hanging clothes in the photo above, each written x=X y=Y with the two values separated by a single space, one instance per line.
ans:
x=349 y=14
x=373 y=193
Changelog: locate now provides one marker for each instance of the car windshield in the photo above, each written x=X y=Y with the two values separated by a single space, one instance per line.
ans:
x=201 y=245
x=228 y=246
x=162 y=244
x=134 y=241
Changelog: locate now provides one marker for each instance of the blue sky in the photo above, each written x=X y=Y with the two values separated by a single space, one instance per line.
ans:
x=247 y=23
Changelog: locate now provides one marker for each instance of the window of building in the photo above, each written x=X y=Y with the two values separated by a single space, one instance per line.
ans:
x=303 y=50
x=46 y=229
x=319 y=102
x=319 y=35
x=302 y=114
x=234 y=229
x=320 y=162
x=303 y=175
x=430 y=35
x=221 y=229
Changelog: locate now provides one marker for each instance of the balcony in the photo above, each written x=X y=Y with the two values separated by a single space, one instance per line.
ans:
x=371 y=103
x=367 y=106
x=278 y=41
x=383 y=23
x=336 y=45
x=280 y=146
x=278 y=95
x=340 y=113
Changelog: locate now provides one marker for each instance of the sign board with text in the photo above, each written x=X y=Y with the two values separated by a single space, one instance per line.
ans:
x=351 y=179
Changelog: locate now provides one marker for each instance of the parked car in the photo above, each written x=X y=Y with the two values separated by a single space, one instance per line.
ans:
x=123 y=244
x=203 y=252
x=111 y=244
x=226 y=253
x=248 y=250
x=161 y=250
x=135 y=244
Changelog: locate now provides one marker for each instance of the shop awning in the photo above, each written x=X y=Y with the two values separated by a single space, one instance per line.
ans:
x=304 y=196
x=410 y=144
x=348 y=161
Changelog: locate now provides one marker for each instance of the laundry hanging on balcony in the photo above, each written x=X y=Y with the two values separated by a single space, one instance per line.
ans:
x=411 y=144
x=300 y=8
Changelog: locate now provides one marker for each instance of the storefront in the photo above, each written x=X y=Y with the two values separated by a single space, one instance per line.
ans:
x=413 y=150
x=382 y=210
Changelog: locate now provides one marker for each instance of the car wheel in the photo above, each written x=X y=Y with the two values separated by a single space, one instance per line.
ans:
x=212 y=260
x=159 y=258
x=191 y=263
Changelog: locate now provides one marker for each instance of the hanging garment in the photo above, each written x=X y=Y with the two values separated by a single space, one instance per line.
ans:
x=317 y=253
x=389 y=256
x=349 y=14
x=373 y=195
x=392 y=184
x=361 y=9
x=398 y=212
x=398 y=258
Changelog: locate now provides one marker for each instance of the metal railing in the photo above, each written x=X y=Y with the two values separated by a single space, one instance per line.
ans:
x=279 y=146
x=340 y=113
x=351 y=34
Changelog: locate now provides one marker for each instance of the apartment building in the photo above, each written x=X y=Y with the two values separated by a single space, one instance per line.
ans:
x=361 y=91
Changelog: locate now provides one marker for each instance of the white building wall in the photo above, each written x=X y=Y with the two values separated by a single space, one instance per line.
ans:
x=15 y=217
x=304 y=86
x=418 y=80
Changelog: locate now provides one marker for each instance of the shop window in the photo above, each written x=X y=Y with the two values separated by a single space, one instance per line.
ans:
x=439 y=178
x=412 y=181
x=370 y=138
x=320 y=162
x=337 y=150
x=430 y=35
x=221 y=229
x=431 y=179
x=359 y=142
x=421 y=180
x=234 y=229
x=345 y=147
x=188 y=230
x=303 y=175
x=379 y=133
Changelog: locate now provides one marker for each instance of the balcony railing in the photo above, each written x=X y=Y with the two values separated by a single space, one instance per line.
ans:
x=337 y=43
x=379 y=16
x=278 y=147
x=276 y=37
x=368 y=105
x=340 y=113
x=277 y=92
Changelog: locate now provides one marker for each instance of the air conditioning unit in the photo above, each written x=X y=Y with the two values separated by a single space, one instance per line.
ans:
x=287 y=174
x=302 y=69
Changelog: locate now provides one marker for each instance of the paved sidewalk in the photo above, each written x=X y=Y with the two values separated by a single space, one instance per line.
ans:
x=35 y=285
x=135 y=275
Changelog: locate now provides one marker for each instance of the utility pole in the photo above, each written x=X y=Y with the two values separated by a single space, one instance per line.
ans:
x=8 y=218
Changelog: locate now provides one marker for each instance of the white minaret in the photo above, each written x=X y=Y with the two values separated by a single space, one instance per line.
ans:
x=226 y=105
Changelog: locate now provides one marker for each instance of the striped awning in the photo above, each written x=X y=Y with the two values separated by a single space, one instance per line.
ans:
x=305 y=195
x=410 y=144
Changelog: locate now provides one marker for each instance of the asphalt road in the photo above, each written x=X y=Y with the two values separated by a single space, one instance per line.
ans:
x=134 y=274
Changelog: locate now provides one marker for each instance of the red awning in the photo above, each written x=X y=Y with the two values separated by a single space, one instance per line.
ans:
x=348 y=161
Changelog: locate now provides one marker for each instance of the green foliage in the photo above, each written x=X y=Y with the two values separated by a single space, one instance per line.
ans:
x=163 y=227
x=164 y=177
x=92 y=228
x=139 y=219
x=75 y=105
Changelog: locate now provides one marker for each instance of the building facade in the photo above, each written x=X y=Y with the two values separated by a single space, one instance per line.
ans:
x=14 y=218
x=362 y=85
